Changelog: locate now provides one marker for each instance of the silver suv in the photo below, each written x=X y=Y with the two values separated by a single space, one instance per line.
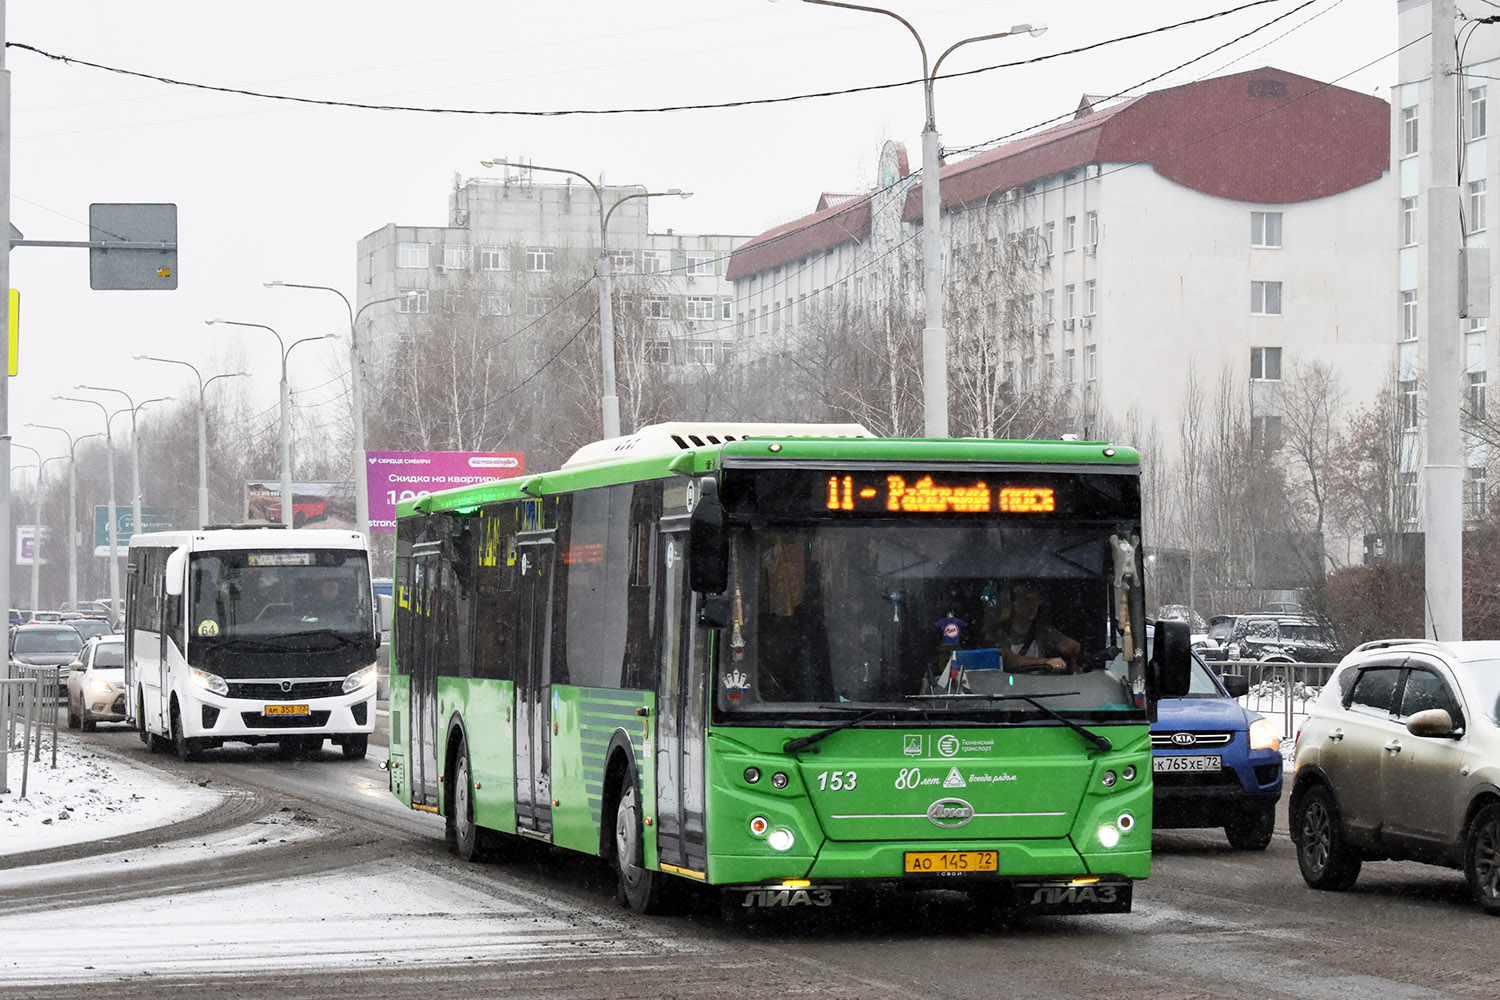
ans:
x=1400 y=759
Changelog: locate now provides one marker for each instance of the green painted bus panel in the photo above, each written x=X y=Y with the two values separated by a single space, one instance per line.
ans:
x=586 y=721
x=398 y=768
x=849 y=451
x=1037 y=794
x=486 y=709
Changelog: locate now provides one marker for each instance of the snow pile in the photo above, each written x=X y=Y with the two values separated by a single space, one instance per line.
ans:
x=92 y=794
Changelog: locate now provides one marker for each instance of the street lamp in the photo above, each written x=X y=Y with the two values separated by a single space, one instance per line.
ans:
x=356 y=394
x=610 y=404
x=36 y=523
x=135 y=446
x=202 y=426
x=72 y=508
x=934 y=336
x=112 y=529
x=287 y=500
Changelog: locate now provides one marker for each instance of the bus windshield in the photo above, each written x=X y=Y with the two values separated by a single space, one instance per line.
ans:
x=311 y=601
x=832 y=617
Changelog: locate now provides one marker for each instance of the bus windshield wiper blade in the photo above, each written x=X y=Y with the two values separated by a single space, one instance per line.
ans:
x=1101 y=742
x=803 y=742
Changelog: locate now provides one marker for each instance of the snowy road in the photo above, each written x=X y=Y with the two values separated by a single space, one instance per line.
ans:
x=303 y=879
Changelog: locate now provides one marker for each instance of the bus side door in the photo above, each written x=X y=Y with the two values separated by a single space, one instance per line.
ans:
x=535 y=552
x=428 y=648
x=681 y=838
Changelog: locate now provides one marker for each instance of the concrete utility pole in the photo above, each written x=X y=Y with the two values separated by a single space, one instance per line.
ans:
x=5 y=521
x=1444 y=470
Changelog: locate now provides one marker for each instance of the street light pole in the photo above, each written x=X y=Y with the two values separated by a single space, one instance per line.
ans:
x=934 y=334
x=135 y=446
x=112 y=528
x=609 y=404
x=356 y=394
x=72 y=508
x=288 y=502
x=36 y=522
x=202 y=426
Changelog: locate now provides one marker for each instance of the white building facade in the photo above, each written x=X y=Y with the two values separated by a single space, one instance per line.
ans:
x=1239 y=224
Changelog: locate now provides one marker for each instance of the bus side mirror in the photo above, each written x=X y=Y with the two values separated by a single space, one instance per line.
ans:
x=1172 y=658
x=175 y=565
x=708 y=542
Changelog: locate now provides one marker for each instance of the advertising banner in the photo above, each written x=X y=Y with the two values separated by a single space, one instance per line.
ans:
x=152 y=518
x=394 y=476
x=26 y=544
x=314 y=505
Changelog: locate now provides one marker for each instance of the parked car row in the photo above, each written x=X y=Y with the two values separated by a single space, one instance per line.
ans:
x=54 y=643
x=1269 y=638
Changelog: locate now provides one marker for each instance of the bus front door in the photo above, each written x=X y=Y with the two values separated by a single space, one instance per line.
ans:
x=535 y=552
x=680 y=711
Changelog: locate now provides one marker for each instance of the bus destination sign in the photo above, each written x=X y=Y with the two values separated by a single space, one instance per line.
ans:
x=929 y=493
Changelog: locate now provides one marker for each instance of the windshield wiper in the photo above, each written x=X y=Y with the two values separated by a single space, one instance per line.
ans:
x=1101 y=742
x=803 y=742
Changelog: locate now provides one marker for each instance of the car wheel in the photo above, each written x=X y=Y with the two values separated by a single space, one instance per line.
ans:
x=1325 y=857
x=462 y=831
x=638 y=887
x=86 y=721
x=1482 y=859
x=355 y=747
x=187 y=749
x=1252 y=831
x=72 y=718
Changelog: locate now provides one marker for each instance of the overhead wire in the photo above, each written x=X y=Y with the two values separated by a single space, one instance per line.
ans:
x=661 y=109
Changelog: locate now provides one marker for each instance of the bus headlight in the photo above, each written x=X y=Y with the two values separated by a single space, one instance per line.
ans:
x=359 y=679
x=1263 y=735
x=208 y=681
x=781 y=840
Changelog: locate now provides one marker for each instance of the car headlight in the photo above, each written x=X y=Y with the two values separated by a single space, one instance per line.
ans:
x=98 y=685
x=359 y=679
x=1264 y=735
x=209 y=682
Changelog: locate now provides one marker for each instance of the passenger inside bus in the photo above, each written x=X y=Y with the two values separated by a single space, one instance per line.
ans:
x=323 y=604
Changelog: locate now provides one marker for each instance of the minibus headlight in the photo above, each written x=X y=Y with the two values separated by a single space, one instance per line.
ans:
x=359 y=679
x=209 y=682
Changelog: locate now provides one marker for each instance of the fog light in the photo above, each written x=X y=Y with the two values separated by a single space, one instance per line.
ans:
x=758 y=826
x=781 y=840
x=752 y=775
x=778 y=780
x=1109 y=779
x=1129 y=772
x=1126 y=822
x=1109 y=836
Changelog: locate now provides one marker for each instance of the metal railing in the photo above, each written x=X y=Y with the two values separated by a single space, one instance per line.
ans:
x=28 y=707
x=1279 y=690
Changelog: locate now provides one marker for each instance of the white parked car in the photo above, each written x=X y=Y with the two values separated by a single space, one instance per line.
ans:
x=96 y=683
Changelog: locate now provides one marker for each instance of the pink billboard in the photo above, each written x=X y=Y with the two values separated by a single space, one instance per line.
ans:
x=393 y=476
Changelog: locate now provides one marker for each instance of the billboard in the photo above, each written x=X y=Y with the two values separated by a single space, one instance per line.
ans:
x=152 y=519
x=26 y=538
x=314 y=505
x=393 y=476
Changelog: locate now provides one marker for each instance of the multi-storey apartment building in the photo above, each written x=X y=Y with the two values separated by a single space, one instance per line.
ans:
x=512 y=247
x=1412 y=140
x=1238 y=224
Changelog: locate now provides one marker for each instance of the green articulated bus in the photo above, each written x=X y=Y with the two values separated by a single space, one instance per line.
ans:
x=778 y=661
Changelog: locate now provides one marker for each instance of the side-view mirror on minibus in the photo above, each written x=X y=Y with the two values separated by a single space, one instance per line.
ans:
x=1171 y=658
x=176 y=564
x=708 y=541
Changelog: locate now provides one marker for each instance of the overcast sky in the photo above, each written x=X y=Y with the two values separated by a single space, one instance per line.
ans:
x=271 y=189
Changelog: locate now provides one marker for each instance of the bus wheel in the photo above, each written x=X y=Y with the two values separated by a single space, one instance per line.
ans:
x=462 y=831
x=355 y=747
x=187 y=749
x=639 y=888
